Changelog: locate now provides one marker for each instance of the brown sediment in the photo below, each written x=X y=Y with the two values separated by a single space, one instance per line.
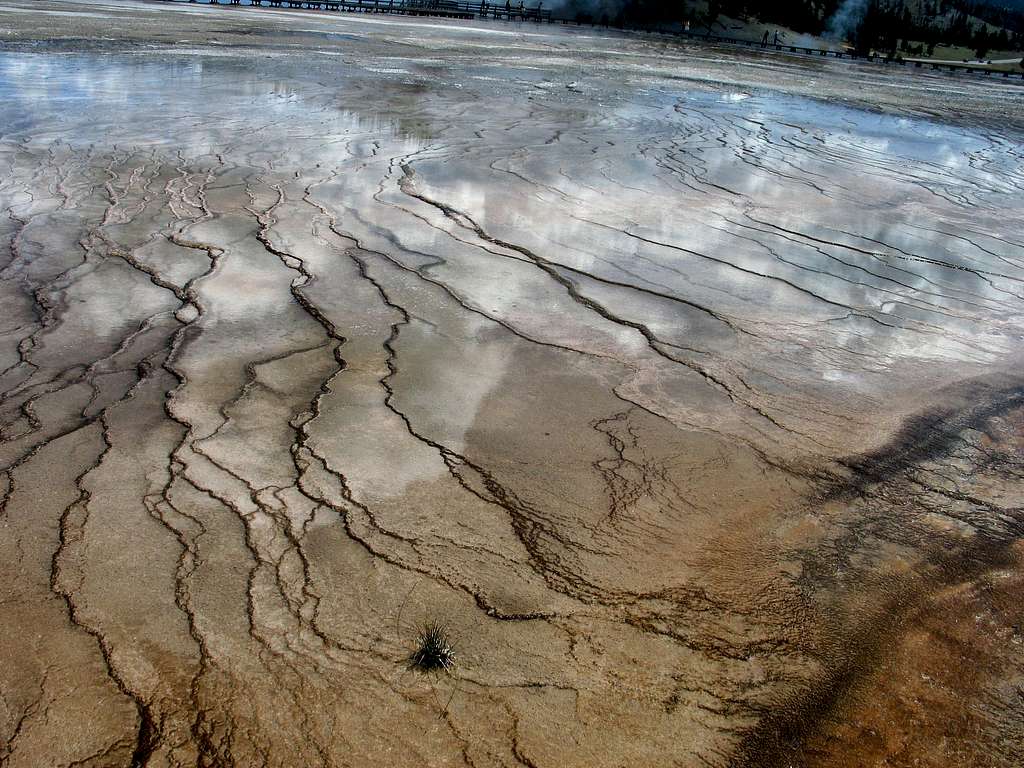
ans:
x=935 y=676
x=676 y=403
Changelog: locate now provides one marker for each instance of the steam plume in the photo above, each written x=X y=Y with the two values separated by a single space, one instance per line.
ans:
x=845 y=20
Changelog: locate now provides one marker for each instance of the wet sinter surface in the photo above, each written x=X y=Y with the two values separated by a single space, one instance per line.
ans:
x=681 y=386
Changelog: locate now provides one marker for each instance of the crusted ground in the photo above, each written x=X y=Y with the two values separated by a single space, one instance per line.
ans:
x=686 y=402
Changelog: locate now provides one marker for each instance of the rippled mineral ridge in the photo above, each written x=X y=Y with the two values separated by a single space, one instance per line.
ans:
x=681 y=385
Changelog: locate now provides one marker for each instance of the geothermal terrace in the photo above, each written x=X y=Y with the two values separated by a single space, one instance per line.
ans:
x=679 y=385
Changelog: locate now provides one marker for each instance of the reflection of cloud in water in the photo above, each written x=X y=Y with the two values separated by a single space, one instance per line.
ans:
x=672 y=395
x=214 y=100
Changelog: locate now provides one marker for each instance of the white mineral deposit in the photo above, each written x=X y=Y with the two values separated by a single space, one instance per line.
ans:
x=381 y=390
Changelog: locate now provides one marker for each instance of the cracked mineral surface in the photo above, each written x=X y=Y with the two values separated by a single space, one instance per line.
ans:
x=680 y=386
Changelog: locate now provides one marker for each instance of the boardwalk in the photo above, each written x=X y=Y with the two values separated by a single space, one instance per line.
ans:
x=851 y=54
x=443 y=8
x=461 y=9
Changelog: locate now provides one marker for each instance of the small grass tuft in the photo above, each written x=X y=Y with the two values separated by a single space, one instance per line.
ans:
x=434 y=650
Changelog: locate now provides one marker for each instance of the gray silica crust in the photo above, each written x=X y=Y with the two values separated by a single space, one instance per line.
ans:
x=678 y=387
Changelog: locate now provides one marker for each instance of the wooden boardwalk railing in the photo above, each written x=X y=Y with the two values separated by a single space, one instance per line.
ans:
x=849 y=54
x=488 y=9
x=458 y=9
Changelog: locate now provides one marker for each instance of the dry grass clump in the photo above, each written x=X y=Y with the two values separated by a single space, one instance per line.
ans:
x=434 y=649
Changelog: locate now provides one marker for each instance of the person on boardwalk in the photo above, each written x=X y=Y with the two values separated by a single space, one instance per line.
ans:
x=776 y=36
x=764 y=40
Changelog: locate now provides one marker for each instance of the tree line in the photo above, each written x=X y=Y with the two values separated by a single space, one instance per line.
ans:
x=912 y=26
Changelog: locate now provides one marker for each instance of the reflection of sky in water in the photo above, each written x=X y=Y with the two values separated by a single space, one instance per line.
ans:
x=742 y=141
x=888 y=176
x=149 y=100
x=840 y=126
